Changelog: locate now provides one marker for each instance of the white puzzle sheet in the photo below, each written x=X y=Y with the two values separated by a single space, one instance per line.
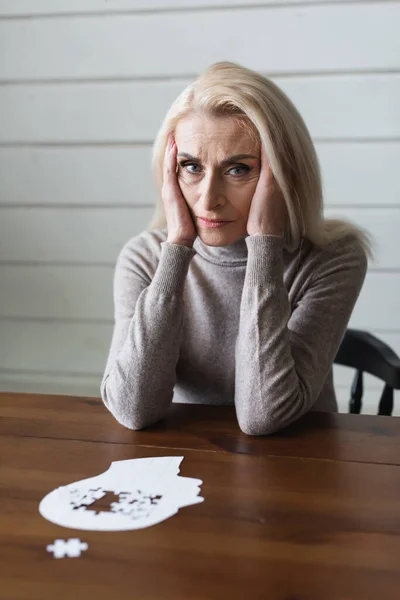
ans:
x=131 y=494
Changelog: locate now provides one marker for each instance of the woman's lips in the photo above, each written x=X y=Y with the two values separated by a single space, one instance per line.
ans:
x=212 y=224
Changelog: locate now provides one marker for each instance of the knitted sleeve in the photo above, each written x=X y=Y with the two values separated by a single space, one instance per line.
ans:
x=139 y=378
x=283 y=358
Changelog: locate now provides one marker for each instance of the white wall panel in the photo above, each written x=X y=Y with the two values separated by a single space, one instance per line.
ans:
x=140 y=45
x=65 y=235
x=383 y=224
x=77 y=176
x=57 y=7
x=378 y=306
x=353 y=173
x=360 y=173
x=54 y=347
x=52 y=234
x=99 y=112
x=334 y=107
x=56 y=292
x=50 y=383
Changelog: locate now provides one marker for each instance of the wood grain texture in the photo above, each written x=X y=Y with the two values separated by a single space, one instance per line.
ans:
x=324 y=436
x=316 y=518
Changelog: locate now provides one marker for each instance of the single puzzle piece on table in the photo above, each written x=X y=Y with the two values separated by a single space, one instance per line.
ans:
x=70 y=548
x=131 y=494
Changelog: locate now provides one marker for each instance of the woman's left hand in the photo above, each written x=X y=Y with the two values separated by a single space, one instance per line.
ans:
x=267 y=211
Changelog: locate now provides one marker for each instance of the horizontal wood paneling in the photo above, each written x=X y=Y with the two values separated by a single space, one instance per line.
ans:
x=54 y=347
x=56 y=292
x=86 y=293
x=50 y=383
x=378 y=306
x=360 y=174
x=124 y=111
x=129 y=45
x=77 y=176
x=39 y=7
x=68 y=235
x=383 y=224
x=353 y=173
x=95 y=235
x=334 y=107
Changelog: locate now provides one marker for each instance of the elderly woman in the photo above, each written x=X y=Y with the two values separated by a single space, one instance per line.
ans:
x=240 y=293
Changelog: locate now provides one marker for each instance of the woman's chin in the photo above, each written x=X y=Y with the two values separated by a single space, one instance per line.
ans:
x=220 y=237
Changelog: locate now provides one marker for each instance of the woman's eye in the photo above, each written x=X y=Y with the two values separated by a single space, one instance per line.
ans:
x=191 y=168
x=239 y=170
x=195 y=169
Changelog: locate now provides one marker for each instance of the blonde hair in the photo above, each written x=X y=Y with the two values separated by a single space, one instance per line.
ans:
x=228 y=89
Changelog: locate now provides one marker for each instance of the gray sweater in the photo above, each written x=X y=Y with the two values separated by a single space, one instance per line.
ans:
x=250 y=325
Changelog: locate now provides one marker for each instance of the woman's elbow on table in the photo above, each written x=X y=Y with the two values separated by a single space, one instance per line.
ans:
x=259 y=427
x=269 y=418
x=128 y=421
x=125 y=409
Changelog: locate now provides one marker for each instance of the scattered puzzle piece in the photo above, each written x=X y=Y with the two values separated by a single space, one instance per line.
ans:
x=70 y=548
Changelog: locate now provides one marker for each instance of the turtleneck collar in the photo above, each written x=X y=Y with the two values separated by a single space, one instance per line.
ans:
x=233 y=255
x=236 y=254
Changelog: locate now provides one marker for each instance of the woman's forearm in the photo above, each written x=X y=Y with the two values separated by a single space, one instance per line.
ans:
x=140 y=375
x=263 y=361
x=283 y=358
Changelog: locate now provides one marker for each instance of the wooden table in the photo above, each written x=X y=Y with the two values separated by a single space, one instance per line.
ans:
x=310 y=513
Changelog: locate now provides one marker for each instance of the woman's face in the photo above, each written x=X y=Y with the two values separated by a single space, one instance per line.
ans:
x=218 y=170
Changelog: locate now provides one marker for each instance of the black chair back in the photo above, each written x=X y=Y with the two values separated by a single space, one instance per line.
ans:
x=367 y=354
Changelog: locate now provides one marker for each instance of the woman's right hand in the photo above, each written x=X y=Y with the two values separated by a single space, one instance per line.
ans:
x=180 y=225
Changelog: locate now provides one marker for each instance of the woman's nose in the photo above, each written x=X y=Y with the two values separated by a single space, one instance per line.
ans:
x=211 y=194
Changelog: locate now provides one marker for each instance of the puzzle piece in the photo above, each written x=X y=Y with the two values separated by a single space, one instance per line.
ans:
x=78 y=499
x=135 y=505
x=70 y=548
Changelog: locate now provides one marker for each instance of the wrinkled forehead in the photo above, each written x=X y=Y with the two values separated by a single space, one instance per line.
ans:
x=212 y=139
